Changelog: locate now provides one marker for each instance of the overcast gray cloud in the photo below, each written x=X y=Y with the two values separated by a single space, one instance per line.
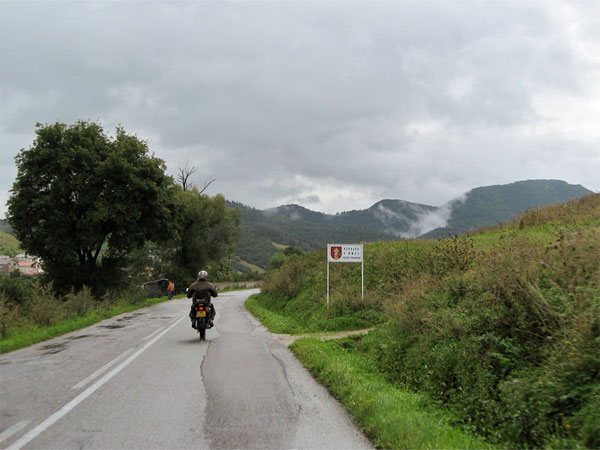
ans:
x=332 y=105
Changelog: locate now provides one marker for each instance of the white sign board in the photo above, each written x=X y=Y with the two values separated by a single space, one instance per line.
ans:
x=352 y=253
x=344 y=253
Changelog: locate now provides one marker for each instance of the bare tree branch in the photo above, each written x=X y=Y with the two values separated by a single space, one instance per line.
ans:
x=184 y=174
x=207 y=184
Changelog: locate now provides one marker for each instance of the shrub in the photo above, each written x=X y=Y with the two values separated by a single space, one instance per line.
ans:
x=15 y=286
x=10 y=318
x=287 y=281
x=41 y=306
x=500 y=327
x=509 y=341
x=79 y=303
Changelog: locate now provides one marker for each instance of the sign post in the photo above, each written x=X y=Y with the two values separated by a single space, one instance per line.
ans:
x=346 y=253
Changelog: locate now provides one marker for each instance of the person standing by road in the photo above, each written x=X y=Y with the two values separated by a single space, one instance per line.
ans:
x=170 y=289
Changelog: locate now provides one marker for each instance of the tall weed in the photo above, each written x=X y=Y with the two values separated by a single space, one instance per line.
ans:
x=286 y=282
x=79 y=303
x=42 y=307
x=501 y=327
x=37 y=305
x=509 y=341
x=10 y=317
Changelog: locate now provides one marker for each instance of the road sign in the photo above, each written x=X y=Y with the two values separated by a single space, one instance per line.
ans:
x=346 y=253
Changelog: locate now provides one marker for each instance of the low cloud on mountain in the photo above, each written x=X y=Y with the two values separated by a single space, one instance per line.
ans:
x=431 y=220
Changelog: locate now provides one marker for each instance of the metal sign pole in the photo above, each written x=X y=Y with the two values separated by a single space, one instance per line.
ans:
x=328 y=284
x=362 y=278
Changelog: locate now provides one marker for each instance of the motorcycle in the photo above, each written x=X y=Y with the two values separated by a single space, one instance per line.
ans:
x=203 y=313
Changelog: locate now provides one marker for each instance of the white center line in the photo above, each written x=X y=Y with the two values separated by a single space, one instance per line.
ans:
x=13 y=430
x=103 y=369
x=85 y=394
x=151 y=334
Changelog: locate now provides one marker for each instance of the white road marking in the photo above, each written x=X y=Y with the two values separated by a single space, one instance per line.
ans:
x=103 y=369
x=85 y=394
x=152 y=334
x=177 y=320
x=13 y=430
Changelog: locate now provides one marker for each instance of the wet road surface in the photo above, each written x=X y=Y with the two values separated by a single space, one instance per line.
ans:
x=144 y=380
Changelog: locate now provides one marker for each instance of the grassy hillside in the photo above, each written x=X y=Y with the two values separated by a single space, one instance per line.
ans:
x=491 y=205
x=246 y=267
x=9 y=245
x=501 y=328
x=291 y=225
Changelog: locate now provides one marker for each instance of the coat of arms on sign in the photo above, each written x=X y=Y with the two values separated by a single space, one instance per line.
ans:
x=336 y=252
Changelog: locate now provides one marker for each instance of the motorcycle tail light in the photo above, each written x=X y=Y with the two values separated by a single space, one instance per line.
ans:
x=201 y=308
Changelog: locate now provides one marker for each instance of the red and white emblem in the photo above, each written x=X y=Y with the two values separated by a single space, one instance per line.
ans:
x=336 y=252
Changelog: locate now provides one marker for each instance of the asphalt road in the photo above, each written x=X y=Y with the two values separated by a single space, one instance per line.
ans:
x=144 y=380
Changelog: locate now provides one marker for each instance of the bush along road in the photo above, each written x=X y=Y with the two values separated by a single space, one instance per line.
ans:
x=498 y=331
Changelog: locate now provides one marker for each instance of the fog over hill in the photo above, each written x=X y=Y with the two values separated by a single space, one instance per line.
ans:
x=491 y=205
x=393 y=219
x=386 y=220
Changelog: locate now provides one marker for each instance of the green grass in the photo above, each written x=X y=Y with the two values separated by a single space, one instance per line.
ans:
x=275 y=322
x=501 y=327
x=252 y=267
x=299 y=315
x=390 y=416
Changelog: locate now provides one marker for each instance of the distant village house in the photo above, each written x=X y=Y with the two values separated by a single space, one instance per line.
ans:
x=25 y=264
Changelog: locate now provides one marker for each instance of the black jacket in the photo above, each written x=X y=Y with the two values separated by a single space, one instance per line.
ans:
x=202 y=290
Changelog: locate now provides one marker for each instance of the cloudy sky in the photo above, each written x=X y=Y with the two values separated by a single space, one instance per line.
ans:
x=333 y=105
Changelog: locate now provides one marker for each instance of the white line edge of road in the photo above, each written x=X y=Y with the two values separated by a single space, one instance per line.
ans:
x=103 y=369
x=31 y=435
x=13 y=430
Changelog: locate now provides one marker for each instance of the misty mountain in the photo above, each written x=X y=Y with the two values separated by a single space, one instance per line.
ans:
x=491 y=205
x=296 y=226
x=397 y=218
x=265 y=231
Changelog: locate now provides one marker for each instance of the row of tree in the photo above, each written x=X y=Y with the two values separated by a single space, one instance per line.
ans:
x=100 y=211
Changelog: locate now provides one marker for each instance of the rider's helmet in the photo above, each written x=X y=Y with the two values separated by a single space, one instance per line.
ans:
x=202 y=275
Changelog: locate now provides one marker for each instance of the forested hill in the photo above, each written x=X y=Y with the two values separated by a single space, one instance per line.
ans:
x=293 y=225
x=491 y=205
x=5 y=227
x=265 y=230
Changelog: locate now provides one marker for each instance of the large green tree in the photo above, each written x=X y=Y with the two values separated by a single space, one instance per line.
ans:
x=83 y=200
x=207 y=232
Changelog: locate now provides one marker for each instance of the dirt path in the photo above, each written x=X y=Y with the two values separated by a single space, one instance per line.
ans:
x=288 y=339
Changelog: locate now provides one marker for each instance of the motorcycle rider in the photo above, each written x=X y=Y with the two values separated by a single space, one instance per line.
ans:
x=202 y=290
